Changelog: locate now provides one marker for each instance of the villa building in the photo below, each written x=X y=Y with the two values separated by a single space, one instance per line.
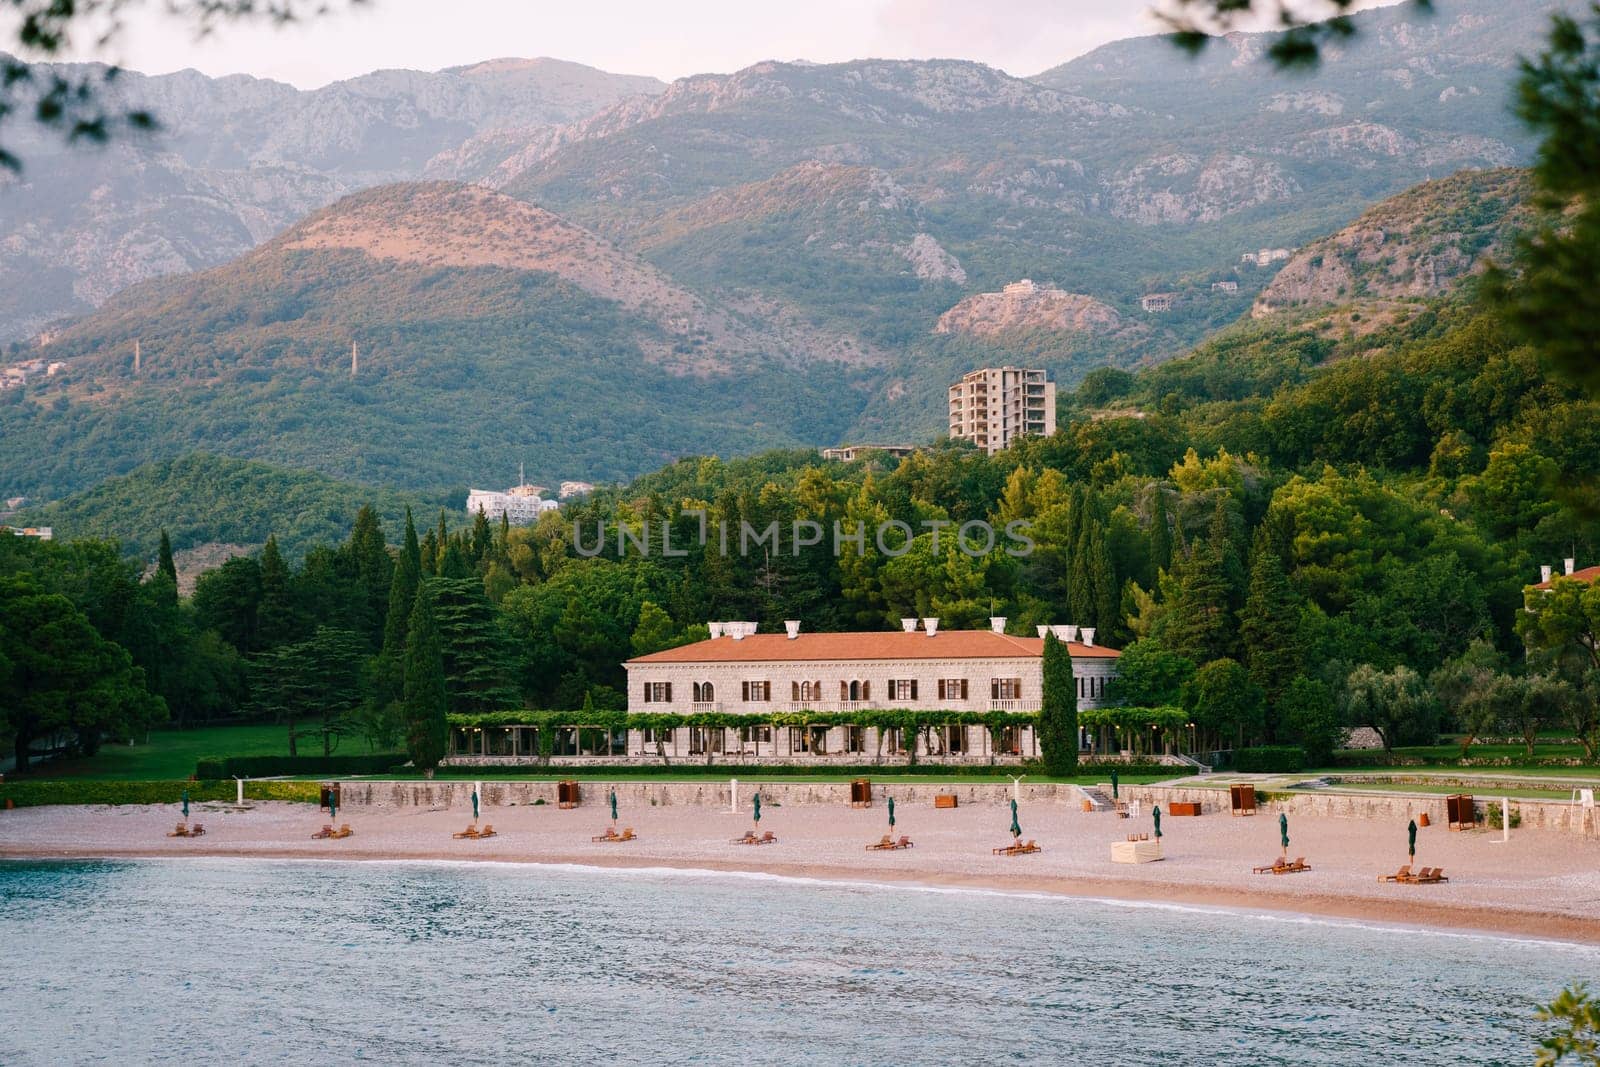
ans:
x=1155 y=303
x=1569 y=570
x=995 y=406
x=738 y=672
x=918 y=668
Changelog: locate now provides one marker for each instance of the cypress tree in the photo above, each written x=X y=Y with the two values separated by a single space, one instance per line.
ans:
x=427 y=732
x=1058 y=710
x=1107 y=586
x=1080 y=576
x=429 y=555
x=276 y=621
x=373 y=572
x=164 y=559
x=481 y=536
x=1160 y=534
x=402 y=592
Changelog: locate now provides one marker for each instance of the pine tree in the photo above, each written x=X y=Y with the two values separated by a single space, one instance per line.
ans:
x=1269 y=623
x=276 y=619
x=427 y=731
x=477 y=655
x=167 y=568
x=1058 y=710
x=1196 y=621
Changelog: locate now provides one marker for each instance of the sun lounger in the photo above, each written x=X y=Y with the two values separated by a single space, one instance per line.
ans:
x=343 y=831
x=628 y=835
x=1275 y=865
x=904 y=842
x=749 y=838
x=471 y=831
x=767 y=839
x=1402 y=875
x=1029 y=848
x=1006 y=850
x=1438 y=875
x=326 y=831
x=181 y=830
x=197 y=830
x=886 y=843
x=607 y=836
x=1285 y=867
x=487 y=831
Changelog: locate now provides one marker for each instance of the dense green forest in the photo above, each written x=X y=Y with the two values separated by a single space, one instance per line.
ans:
x=200 y=499
x=1285 y=534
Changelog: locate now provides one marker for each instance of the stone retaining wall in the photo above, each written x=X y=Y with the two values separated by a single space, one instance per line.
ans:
x=1557 y=815
x=1375 y=807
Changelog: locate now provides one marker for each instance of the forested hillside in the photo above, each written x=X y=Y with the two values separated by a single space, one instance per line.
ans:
x=1272 y=528
x=201 y=499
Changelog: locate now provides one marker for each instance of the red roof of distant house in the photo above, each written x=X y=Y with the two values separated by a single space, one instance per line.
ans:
x=872 y=645
x=1587 y=574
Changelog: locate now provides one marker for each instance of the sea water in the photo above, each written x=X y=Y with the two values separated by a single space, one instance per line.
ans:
x=212 y=961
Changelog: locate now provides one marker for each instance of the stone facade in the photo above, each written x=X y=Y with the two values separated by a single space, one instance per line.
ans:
x=1011 y=684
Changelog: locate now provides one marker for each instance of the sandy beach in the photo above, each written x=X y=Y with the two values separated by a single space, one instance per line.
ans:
x=1539 y=884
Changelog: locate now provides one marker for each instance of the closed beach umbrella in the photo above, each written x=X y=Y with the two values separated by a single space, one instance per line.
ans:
x=333 y=804
x=1283 y=831
x=891 y=813
x=185 y=803
x=1411 y=839
x=758 y=807
x=613 y=805
x=1113 y=783
x=1016 y=827
x=474 y=805
x=1155 y=813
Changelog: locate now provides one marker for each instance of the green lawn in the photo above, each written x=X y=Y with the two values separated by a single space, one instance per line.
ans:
x=170 y=755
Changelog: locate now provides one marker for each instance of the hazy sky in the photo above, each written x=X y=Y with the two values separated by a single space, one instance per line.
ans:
x=666 y=39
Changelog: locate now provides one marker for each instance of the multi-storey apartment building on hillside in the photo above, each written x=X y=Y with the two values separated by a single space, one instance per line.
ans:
x=994 y=406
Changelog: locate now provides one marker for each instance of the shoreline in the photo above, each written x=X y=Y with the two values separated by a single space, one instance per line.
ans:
x=1543 y=884
x=1427 y=915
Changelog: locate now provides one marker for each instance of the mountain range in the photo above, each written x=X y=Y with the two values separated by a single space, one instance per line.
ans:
x=790 y=255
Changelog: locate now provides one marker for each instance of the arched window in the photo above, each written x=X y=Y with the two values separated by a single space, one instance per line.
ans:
x=704 y=692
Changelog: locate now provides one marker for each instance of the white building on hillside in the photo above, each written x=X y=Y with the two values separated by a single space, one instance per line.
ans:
x=521 y=504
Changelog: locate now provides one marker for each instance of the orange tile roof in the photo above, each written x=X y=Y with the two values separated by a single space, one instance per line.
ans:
x=872 y=645
x=1587 y=574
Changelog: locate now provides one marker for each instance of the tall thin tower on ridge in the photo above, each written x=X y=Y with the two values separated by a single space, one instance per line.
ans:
x=136 y=355
x=355 y=360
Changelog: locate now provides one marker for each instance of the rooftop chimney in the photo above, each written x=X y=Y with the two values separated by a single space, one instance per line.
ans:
x=931 y=625
x=1065 y=633
x=1088 y=635
x=1042 y=630
x=1544 y=573
x=793 y=626
x=908 y=625
x=997 y=623
x=1569 y=563
x=715 y=628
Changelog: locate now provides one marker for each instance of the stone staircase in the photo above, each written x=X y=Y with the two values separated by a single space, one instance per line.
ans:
x=1097 y=798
